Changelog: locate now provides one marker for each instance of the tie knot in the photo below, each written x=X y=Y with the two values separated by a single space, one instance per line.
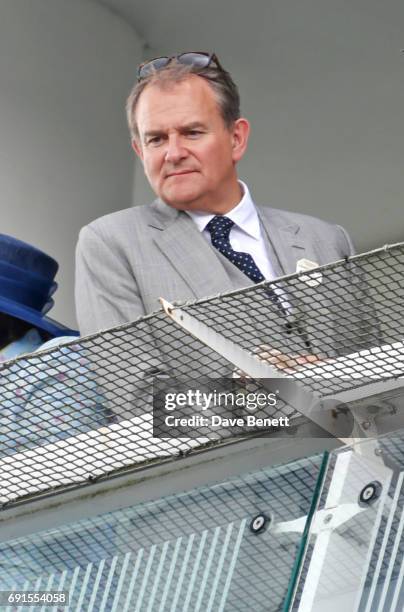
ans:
x=219 y=227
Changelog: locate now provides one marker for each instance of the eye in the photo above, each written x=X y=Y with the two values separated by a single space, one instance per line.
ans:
x=154 y=140
x=194 y=133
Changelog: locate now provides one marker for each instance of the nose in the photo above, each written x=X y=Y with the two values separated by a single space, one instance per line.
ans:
x=175 y=151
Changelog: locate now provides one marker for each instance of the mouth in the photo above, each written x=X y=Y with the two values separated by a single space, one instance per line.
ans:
x=180 y=173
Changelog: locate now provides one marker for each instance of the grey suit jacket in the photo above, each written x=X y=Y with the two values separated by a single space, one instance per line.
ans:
x=128 y=259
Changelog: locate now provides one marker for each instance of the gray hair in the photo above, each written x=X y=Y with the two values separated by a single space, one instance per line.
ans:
x=220 y=81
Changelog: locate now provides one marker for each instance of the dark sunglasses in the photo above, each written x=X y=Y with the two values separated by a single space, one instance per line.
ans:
x=197 y=59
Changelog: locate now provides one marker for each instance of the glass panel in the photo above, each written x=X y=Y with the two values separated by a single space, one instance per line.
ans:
x=354 y=555
x=193 y=551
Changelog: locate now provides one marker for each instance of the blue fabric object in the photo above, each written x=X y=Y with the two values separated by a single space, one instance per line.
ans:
x=27 y=344
x=49 y=397
x=27 y=284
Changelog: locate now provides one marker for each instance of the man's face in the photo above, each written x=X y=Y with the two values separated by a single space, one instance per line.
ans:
x=188 y=153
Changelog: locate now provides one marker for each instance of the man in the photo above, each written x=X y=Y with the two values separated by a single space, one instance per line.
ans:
x=203 y=235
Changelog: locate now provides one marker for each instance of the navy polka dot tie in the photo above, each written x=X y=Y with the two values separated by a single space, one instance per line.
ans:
x=219 y=229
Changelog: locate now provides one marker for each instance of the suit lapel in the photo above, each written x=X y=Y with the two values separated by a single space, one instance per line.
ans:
x=286 y=238
x=177 y=237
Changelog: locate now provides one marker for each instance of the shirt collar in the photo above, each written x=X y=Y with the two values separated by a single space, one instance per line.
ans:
x=244 y=215
x=27 y=344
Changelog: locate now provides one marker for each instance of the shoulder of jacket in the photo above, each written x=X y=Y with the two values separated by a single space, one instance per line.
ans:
x=119 y=221
x=120 y=216
x=288 y=217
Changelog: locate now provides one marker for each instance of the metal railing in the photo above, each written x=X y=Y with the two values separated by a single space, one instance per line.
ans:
x=84 y=410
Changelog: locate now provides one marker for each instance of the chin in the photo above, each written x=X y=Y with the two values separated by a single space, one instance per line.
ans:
x=181 y=200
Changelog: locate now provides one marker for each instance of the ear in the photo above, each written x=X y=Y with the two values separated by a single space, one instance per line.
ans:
x=240 y=134
x=136 y=146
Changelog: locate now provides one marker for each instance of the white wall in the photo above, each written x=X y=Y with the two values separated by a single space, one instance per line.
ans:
x=65 y=70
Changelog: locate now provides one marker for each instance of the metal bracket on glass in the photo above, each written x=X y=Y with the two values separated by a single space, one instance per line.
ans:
x=357 y=482
x=325 y=518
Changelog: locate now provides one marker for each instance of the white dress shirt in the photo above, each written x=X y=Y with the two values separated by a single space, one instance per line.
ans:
x=246 y=233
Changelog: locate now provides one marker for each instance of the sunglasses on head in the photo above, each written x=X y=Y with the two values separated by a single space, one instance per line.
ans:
x=198 y=59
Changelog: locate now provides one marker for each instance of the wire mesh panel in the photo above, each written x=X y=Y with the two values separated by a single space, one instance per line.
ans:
x=348 y=314
x=355 y=553
x=197 y=550
x=84 y=409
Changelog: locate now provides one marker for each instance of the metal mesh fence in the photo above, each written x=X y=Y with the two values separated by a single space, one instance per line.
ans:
x=84 y=410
